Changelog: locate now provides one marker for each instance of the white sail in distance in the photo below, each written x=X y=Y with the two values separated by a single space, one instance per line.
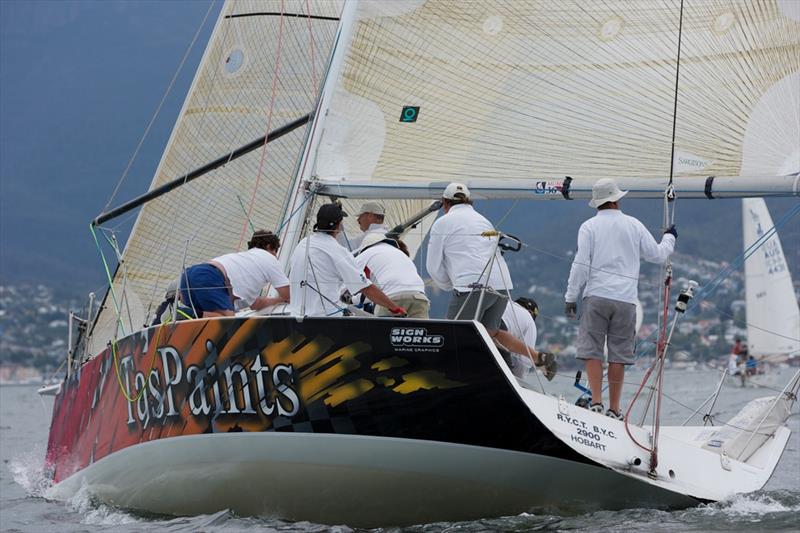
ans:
x=773 y=315
x=261 y=70
x=532 y=91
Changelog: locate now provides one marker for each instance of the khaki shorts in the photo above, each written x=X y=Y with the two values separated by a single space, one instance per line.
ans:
x=416 y=305
x=607 y=322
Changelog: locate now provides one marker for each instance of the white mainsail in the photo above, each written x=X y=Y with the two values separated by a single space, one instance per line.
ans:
x=262 y=69
x=773 y=315
x=533 y=90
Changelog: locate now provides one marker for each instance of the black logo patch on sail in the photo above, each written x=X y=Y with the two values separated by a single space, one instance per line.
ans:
x=415 y=339
x=409 y=114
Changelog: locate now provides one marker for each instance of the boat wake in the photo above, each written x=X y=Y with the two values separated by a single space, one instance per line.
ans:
x=27 y=471
x=758 y=505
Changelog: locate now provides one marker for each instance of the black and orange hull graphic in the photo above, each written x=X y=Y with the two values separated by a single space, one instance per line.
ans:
x=432 y=380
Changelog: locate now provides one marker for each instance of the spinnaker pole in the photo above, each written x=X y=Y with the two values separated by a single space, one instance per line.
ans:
x=205 y=169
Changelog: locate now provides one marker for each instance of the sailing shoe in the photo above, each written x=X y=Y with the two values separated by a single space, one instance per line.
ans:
x=596 y=408
x=615 y=415
x=548 y=361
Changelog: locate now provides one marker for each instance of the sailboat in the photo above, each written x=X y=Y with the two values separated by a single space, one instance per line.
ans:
x=388 y=421
x=772 y=311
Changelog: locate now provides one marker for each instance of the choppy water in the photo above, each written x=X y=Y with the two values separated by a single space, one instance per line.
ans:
x=25 y=418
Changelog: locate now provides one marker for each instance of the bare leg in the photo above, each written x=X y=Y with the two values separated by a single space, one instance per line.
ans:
x=594 y=373
x=513 y=344
x=616 y=375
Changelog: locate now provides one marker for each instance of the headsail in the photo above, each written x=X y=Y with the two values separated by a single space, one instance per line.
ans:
x=441 y=90
x=773 y=316
x=261 y=70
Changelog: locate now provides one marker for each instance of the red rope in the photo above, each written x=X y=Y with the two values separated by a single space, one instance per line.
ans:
x=662 y=348
x=659 y=361
x=275 y=75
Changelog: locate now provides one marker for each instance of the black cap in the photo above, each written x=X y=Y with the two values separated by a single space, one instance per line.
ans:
x=328 y=216
x=530 y=305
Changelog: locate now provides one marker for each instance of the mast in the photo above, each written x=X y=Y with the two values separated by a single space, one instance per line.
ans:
x=296 y=209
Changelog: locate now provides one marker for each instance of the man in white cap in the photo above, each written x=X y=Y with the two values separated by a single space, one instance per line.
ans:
x=459 y=258
x=388 y=267
x=370 y=221
x=606 y=270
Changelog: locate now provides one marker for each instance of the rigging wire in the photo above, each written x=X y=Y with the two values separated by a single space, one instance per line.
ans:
x=271 y=108
x=160 y=105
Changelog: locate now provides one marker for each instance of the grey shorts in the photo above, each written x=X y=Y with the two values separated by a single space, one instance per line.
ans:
x=492 y=307
x=607 y=322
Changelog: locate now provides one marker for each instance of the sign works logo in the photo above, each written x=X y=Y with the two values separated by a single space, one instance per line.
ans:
x=415 y=339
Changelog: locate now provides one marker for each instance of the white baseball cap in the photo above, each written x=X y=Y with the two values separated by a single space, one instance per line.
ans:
x=605 y=190
x=453 y=189
x=371 y=207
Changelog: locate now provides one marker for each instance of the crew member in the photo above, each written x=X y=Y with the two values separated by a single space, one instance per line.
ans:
x=606 y=269
x=320 y=266
x=462 y=260
x=519 y=319
x=370 y=221
x=236 y=280
x=393 y=271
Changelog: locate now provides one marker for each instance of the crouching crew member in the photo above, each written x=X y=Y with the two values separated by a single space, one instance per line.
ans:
x=519 y=319
x=236 y=280
x=394 y=273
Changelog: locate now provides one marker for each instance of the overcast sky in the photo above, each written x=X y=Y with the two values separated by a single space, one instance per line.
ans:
x=79 y=82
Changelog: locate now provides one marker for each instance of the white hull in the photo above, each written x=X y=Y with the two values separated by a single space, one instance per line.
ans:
x=358 y=481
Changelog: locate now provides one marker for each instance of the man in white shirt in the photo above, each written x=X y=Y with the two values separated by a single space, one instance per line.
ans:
x=370 y=221
x=459 y=259
x=394 y=273
x=606 y=269
x=320 y=266
x=236 y=280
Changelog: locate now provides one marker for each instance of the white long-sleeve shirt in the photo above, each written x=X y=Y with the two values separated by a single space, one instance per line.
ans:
x=610 y=248
x=329 y=268
x=458 y=255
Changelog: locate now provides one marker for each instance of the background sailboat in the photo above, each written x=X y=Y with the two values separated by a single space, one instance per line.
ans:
x=772 y=312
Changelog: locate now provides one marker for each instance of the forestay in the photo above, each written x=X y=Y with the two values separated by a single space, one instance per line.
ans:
x=440 y=90
x=262 y=69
